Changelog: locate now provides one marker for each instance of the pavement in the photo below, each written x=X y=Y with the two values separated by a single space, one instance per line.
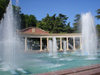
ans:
x=86 y=70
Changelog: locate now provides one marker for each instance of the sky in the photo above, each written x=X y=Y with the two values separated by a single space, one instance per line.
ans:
x=70 y=8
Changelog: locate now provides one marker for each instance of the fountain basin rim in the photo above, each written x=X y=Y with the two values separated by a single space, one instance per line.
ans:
x=84 y=70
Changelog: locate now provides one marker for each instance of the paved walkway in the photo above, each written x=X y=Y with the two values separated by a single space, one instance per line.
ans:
x=87 y=70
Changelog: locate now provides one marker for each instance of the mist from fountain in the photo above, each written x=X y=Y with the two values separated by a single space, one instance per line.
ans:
x=50 y=48
x=54 y=47
x=64 y=47
x=10 y=43
x=89 y=37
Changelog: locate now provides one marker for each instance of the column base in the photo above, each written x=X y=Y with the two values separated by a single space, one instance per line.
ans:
x=41 y=50
x=47 y=50
x=25 y=50
x=67 y=49
x=74 y=49
x=61 y=50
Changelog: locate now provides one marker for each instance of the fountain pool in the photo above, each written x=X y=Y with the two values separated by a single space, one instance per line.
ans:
x=42 y=62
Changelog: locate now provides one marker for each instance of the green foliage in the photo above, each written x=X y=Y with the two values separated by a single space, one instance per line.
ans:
x=98 y=14
x=98 y=25
x=28 y=21
x=55 y=24
x=98 y=29
x=76 y=23
x=3 y=5
x=69 y=29
x=16 y=9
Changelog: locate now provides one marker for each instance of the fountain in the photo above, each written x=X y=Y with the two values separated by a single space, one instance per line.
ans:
x=10 y=43
x=89 y=37
x=50 y=48
x=64 y=46
x=54 y=47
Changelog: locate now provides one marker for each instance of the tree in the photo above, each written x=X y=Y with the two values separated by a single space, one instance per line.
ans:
x=54 y=24
x=28 y=21
x=45 y=23
x=98 y=25
x=76 y=22
x=3 y=5
x=69 y=29
x=98 y=14
x=98 y=29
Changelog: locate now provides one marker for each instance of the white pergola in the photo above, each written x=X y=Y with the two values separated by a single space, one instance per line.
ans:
x=47 y=36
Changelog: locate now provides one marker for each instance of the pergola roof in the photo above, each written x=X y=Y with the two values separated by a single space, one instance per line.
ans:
x=31 y=31
x=34 y=31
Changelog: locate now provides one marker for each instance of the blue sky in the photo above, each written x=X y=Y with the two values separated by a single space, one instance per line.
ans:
x=40 y=8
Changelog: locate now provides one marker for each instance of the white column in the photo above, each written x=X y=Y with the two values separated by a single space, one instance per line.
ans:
x=26 y=44
x=61 y=44
x=41 y=44
x=74 y=48
x=80 y=43
x=47 y=43
x=67 y=43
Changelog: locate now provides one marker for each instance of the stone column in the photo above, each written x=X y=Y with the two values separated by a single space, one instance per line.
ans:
x=61 y=44
x=26 y=44
x=67 y=43
x=47 y=44
x=81 y=43
x=74 y=48
x=41 y=44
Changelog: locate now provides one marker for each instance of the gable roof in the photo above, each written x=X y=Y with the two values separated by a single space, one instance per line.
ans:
x=33 y=30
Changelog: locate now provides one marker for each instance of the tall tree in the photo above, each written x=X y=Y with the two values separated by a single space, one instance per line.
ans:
x=76 y=22
x=98 y=28
x=98 y=31
x=3 y=5
x=24 y=19
x=68 y=28
x=98 y=25
x=28 y=21
x=54 y=24
x=98 y=14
